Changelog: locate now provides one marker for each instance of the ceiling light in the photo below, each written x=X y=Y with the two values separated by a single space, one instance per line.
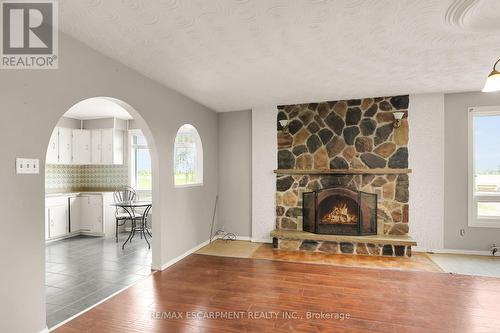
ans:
x=493 y=80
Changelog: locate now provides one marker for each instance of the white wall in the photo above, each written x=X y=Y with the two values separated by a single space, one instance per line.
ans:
x=31 y=103
x=264 y=161
x=426 y=154
x=235 y=172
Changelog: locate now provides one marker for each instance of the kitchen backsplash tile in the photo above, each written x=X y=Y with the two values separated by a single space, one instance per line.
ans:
x=81 y=177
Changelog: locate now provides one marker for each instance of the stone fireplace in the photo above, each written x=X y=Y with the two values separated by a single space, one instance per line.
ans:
x=351 y=145
x=340 y=211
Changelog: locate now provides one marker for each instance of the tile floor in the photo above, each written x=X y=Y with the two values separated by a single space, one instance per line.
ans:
x=81 y=271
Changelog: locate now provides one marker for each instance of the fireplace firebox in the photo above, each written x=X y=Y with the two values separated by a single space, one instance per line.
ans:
x=340 y=211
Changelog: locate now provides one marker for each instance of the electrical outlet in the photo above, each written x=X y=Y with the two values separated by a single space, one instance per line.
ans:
x=27 y=166
x=462 y=232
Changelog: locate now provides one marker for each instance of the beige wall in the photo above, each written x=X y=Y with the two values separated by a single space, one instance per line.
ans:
x=69 y=123
x=455 y=179
x=235 y=172
x=32 y=101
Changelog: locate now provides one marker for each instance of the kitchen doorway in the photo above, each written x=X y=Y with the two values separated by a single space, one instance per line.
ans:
x=97 y=152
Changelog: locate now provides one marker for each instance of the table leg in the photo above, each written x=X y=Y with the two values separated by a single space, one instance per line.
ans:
x=147 y=230
x=131 y=230
x=143 y=226
x=134 y=227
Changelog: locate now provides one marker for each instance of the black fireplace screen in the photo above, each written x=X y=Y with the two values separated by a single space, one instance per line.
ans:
x=340 y=211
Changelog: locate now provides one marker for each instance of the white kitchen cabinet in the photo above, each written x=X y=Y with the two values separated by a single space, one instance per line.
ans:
x=109 y=210
x=57 y=217
x=59 y=150
x=52 y=156
x=85 y=222
x=65 y=145
x=96 y=144
x=112 y=146
x=91 y=213
x=75 y=212
x=81 y=146
x=96 y=216
x=86 y=213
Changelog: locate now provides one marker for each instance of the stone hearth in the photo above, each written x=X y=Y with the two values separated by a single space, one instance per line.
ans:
x=375 y=245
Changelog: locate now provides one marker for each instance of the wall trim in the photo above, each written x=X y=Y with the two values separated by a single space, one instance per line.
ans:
x=45 y=330
x=261 y=240
x=71 y=234
x=452 y=251
x=243 y=238
x=78 y=233
x=205 y=243
x=183 y=255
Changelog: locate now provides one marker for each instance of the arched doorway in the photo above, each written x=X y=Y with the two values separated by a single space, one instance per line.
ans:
x=88 y=261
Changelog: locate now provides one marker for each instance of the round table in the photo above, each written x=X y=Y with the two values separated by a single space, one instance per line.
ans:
x=130 y=207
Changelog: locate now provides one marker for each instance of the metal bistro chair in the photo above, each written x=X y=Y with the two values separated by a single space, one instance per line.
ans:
x=125 y=193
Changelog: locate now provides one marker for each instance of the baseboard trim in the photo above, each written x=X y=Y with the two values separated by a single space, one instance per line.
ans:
x=199 y=246
x=77 y=233
x=261 y=240
x=96 y=234
x=45 y=330
x=453 y=251
x=73 y=234
x=184 y=255
x=243 y=238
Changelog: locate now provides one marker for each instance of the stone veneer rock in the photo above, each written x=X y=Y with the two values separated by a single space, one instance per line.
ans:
x=332 y=247
x=350 y=134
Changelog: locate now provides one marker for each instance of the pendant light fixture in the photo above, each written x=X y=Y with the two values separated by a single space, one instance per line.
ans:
x=493 y=80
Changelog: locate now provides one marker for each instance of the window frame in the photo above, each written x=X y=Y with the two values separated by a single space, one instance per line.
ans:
x=472 y=198
x=199 y=158
x=132 y=160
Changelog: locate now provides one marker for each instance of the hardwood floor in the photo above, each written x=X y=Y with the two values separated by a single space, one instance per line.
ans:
x=376 y=300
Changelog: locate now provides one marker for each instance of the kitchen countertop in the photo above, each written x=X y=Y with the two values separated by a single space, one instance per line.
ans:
x=73 y=193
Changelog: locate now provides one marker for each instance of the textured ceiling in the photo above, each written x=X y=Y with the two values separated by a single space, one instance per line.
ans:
x=233 y=55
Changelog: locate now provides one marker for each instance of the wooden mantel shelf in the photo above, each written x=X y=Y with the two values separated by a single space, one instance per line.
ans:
x=381 y=171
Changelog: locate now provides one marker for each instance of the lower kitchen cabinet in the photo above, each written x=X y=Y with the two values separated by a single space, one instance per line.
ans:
x=82 y=213
x=56 y=217
x=75 y=213
x=91 y=213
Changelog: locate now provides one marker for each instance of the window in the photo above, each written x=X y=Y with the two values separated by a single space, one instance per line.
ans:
x=140 y=163
x=484 y=167
x=188 y=157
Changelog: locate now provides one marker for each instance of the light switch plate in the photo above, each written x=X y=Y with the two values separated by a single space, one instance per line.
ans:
x=27 y=166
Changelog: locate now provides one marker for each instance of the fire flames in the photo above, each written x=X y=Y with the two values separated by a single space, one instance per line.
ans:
x=340 y=215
